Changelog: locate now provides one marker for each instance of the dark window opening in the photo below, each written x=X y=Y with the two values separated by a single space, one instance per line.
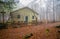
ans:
x=18 y=16
x=32 y=17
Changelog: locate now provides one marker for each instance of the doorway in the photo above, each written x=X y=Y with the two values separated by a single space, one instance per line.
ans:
x=26 y=18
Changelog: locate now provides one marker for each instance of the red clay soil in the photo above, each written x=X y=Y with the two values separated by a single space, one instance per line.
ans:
x=39 y=32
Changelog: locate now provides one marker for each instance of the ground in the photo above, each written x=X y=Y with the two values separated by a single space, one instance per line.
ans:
x=39 y=32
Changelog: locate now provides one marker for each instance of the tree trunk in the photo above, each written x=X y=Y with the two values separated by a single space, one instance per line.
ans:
x=3 y=17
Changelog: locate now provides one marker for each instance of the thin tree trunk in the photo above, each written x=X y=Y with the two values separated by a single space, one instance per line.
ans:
x=53 y=12
x=3 y=17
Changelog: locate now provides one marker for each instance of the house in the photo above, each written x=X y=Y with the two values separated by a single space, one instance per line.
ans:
x=24 y=15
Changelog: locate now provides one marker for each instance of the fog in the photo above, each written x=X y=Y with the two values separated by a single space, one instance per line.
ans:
x=47 y=9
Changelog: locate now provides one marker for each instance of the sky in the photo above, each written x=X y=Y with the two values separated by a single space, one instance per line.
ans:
x=25 y=2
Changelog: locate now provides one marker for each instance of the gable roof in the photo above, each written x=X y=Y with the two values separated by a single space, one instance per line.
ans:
x=25 y=8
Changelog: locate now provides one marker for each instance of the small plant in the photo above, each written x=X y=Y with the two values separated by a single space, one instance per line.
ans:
x=28 y=36
x=47 y=31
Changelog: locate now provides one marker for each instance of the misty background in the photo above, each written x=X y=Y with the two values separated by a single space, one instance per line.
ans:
x=47 y=9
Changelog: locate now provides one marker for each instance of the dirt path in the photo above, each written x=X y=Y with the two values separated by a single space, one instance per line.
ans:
x=39 y=32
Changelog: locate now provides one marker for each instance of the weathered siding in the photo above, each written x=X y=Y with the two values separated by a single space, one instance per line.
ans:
x=23 y=13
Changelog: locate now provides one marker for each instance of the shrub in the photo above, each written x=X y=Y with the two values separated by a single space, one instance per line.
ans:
x=58 y=31
x=28 y=36
x=3 y=26
x=58 y=26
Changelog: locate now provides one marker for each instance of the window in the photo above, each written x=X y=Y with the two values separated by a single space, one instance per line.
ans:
x=18 y=16
x=32 y=17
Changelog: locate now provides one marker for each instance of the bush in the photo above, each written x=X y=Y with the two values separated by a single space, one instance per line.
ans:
x=3 y=26
x=58 y=26
x=59 y=31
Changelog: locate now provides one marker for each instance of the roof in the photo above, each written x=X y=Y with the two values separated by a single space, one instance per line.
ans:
x=25 y=8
